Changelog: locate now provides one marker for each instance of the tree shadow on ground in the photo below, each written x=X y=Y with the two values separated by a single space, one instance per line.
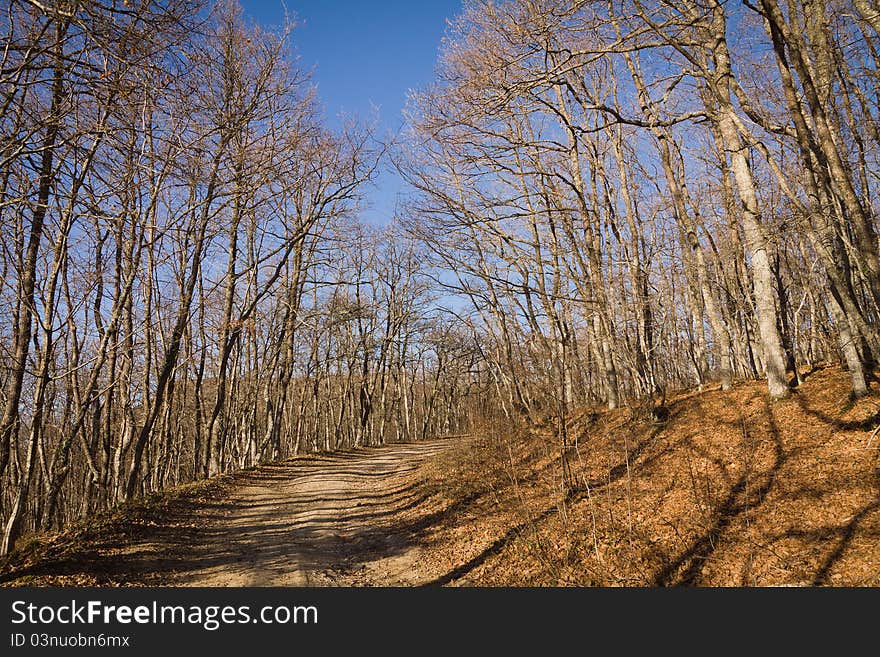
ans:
x=574 y=494
x=845 y=534
x=867 y=424
x=744 y=495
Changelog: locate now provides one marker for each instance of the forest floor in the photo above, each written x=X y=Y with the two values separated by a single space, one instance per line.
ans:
x=724 y=489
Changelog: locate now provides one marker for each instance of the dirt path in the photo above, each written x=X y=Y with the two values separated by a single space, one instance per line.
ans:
x=329 y=519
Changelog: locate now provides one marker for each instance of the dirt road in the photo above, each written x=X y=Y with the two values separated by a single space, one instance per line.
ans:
x=329 y=519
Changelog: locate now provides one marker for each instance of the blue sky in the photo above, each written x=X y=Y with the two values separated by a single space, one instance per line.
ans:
x=364 y=57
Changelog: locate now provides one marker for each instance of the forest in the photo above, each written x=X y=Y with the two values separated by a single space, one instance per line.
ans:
x=608 y=201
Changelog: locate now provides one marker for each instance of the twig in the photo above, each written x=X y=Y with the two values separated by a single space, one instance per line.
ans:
x=871 y=438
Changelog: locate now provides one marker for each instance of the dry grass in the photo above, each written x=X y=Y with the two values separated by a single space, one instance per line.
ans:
x=731 y=490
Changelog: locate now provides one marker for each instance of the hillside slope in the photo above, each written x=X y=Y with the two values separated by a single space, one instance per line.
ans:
x=731 y=490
